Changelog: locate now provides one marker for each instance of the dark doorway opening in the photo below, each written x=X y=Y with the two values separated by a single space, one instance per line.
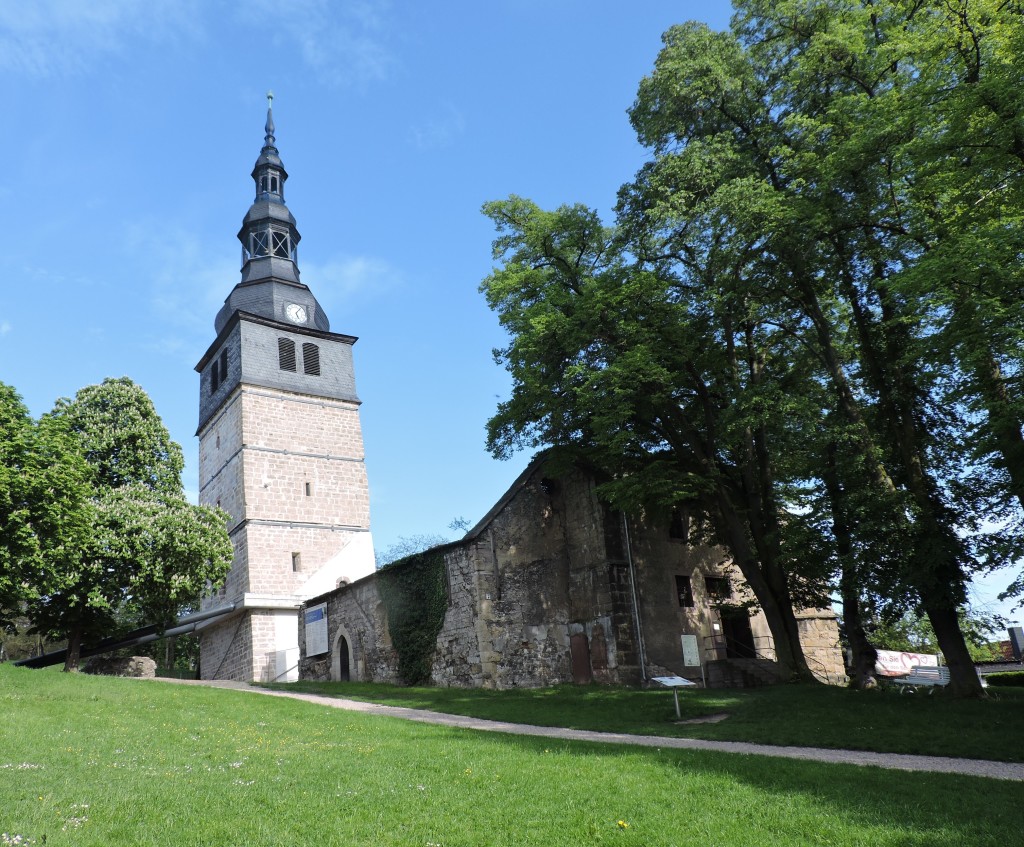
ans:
x=343 y=671
x=739 y=638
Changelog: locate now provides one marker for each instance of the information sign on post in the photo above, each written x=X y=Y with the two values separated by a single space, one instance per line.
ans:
x=316 y=630
x=675 y=683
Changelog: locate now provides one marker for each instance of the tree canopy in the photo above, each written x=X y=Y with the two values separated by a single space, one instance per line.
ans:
x=807 y=315
x=106 y=537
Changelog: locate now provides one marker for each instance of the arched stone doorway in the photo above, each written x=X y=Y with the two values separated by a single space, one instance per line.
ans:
x=341 y=657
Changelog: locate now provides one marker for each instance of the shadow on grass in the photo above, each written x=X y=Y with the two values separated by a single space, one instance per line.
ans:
x=919 y=809
x=803 y=716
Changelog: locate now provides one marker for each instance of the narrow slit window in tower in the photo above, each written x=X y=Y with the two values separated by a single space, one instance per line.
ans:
x=296 y=562
x=214 y=377
x=224 y=365
x=286 y=354
x=311 y=359
x=309 y=489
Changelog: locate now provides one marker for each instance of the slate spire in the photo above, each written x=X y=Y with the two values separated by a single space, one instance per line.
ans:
x=270 y=272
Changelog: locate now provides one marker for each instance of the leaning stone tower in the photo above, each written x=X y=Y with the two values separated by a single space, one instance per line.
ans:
x=280 y=446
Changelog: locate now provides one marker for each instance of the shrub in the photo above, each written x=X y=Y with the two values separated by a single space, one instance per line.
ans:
x=1014 y=679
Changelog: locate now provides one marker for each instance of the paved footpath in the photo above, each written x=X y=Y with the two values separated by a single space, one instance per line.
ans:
x=892 y=761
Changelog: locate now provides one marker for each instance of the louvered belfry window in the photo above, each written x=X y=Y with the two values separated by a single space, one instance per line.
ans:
x=311 y=359
x=214 y=377
x=286 y=354
x=224 y=365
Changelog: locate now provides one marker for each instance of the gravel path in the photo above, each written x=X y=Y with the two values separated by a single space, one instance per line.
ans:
x=892 y=761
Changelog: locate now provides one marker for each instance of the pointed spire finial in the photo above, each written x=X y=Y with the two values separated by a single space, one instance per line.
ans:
x=269 y=128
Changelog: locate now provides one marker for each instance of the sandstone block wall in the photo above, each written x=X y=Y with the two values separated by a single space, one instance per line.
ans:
x=546 y=590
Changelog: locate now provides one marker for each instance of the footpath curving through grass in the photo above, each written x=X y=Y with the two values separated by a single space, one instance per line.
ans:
x=95 y=761
x=799 y=715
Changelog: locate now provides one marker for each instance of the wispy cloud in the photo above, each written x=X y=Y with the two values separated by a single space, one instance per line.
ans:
x=341 y=279
x=58 y=37
x=440 y=130
x=343 y=43
x=188 y=280
x=5 y=327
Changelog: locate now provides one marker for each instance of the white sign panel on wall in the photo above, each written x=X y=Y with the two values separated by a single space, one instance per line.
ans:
x=316 y=630
x=691 y=655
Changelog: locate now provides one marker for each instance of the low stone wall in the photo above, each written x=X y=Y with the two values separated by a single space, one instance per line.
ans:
x=141 y=667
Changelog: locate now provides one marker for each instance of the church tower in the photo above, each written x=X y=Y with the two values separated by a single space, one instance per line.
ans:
x=280 y=446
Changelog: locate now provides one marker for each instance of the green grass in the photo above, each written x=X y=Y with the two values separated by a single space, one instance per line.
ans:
x=801 y=715
x=96 y=761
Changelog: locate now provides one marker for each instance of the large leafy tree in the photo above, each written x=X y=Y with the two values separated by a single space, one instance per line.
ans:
x=629 y=368
x=148 y=551
x=831 y=214
x=46 y=509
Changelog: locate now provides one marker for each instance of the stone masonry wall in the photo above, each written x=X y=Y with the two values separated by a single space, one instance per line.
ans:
x=543 y=593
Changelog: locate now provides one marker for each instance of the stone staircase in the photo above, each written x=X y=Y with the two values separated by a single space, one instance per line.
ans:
x=742 y=673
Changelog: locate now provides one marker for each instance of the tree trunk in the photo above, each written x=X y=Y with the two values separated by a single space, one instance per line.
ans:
x=778 y=610
x=74 y=649
x=963 y=677
x=863 y=655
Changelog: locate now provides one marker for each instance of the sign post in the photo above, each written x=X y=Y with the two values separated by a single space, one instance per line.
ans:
x=675 y=683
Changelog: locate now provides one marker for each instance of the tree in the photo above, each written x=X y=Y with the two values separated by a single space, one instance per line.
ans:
x=148 y=551
x=808 y=314
x=629 y=369
x=45 y=503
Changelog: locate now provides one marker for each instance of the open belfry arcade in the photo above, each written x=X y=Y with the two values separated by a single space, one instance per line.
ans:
x=280 y=446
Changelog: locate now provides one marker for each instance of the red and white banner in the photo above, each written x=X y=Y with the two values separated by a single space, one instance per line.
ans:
x=892 y=663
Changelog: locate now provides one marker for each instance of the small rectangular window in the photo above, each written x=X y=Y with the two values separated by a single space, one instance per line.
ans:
x=677 y=526
x=286 y=354
x=309 y=489
x=718 y=588
x=296 y=562
x=684 y=591
x=311 y=359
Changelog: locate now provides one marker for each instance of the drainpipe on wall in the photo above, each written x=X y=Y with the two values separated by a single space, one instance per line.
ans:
x=636 y=606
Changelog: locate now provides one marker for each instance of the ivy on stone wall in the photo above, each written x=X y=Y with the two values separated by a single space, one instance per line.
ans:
x=415 y=595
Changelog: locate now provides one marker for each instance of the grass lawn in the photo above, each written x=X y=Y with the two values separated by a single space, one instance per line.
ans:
x=801 y=715
x=97 y=761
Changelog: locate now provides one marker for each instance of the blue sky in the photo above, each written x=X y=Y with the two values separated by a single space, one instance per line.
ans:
x=130 y=130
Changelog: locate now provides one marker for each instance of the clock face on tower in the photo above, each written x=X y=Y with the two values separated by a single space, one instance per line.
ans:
x=295 y=313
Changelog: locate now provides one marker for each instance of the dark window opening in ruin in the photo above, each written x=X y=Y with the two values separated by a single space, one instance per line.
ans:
x=224 y=365
x=684 y=591
x=614 y=540
x=719 y=588
x=311 y=359
x=296 y=562
x=309 y=489
x=286 y=354
x=677 y=526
